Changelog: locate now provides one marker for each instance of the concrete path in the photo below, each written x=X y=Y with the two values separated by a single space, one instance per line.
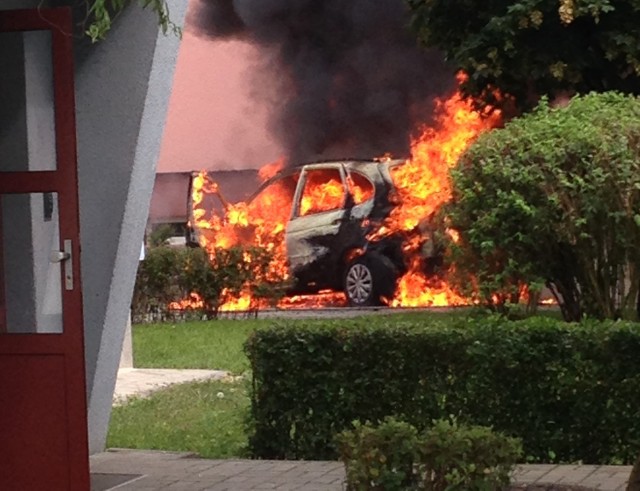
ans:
x=141 y=382
x=145 y=470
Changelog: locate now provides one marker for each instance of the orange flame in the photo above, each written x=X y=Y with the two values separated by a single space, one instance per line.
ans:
x=193 y=301
x=423 y=185
x=325 y=298
x=267 y=171
x=321 y=195
x=240 y=303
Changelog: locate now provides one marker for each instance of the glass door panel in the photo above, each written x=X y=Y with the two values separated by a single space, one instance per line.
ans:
x=27 y=129
x=33 y=264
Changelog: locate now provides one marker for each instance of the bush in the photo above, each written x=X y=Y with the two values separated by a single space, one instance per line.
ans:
x=156 y=283
x=391 y=456
x=379 y=457
x=169 y=275
x=469 y=458
x=569 y=391
x=161 y=233
x=213 y=277
x=554 y=198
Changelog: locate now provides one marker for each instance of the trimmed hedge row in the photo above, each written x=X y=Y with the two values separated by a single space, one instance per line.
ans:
x=570 y=392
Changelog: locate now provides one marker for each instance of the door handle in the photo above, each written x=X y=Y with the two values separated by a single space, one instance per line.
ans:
x=58 y=256
x=64 y=256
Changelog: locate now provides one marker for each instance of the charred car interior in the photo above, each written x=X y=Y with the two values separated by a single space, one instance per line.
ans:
x=332 y=214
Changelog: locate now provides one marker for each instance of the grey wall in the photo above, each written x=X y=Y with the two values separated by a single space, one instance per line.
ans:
x=122 y=93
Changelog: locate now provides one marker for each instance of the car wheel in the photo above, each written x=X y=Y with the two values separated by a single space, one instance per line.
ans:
x=368 y=279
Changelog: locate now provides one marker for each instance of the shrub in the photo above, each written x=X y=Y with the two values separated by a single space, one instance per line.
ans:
x=160 y=234
x=156 y=285
x=569 y=391
x=554 y=198
x=446 y=457
x=212 y=277
x=379 y=457
x=469 y=458
x=170 y=275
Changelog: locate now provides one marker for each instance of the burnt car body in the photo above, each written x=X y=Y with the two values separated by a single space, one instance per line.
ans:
x=328 y=239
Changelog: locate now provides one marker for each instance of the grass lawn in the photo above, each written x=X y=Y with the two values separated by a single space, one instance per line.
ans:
x=215 y=345
x=204 y=417
x=218 y=344
x=192 y=417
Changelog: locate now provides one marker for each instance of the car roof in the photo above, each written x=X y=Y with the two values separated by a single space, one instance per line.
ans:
x=351 y=163
x=319 y=164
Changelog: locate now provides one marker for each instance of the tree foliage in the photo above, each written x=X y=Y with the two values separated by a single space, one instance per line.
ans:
x=530 y=48
x=554 y=198
x=102 y=12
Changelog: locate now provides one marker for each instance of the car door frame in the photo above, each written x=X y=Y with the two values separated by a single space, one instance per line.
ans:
x=303 y=247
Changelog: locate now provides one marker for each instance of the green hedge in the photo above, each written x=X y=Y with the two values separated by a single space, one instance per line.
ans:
x=571 y=392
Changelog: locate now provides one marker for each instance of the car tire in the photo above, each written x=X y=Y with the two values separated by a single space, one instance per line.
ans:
x=369 y=280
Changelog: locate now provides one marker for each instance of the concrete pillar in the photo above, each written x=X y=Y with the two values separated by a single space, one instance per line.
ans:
x=123 y=86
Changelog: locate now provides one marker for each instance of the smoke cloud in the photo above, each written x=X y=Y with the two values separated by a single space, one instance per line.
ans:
x=342 y=78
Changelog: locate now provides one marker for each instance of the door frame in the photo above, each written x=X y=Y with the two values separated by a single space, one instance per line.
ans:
x=68 y=346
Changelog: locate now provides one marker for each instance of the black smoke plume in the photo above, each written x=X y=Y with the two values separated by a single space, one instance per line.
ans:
x=344 y=78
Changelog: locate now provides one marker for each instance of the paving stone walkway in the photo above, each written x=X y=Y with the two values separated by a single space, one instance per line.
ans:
x=144 y=470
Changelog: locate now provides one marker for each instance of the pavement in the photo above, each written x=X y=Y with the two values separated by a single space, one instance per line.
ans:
x=146 y=470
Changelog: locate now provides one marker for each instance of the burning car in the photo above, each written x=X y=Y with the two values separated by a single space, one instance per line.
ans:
x=330 y=214
x=362 y=227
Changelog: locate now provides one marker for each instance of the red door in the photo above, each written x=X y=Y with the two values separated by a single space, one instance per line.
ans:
x=43 y=413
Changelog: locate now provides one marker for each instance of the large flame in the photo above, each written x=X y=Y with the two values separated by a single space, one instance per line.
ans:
x=260 y=223
x=422 y=185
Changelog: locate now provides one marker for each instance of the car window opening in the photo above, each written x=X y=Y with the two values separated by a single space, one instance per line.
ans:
x=323 y=191
x=360 y=187
x=276 y=199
